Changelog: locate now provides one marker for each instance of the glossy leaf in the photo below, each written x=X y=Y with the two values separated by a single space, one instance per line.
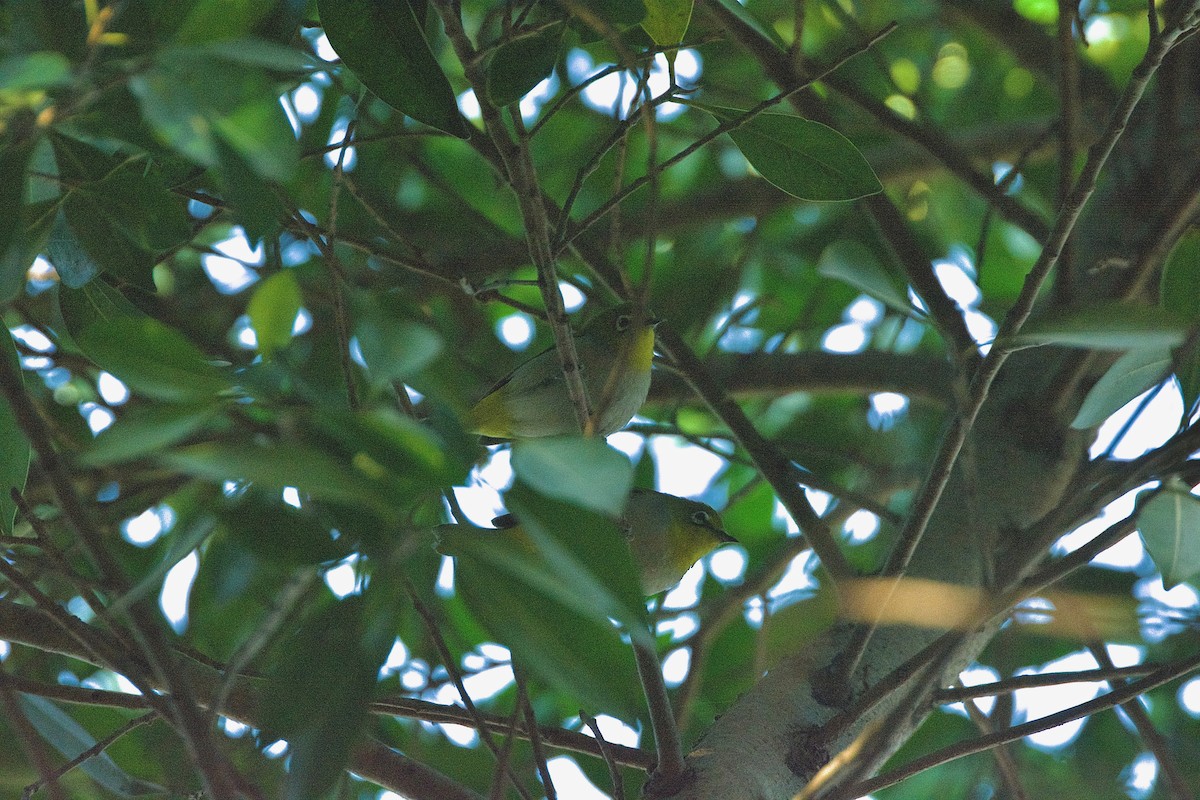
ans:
x=806 y=159
x=1132 y=374
x=852 y=262
x=585 y=472
x=70 y=739
x=14 y=465
x=272 y=310
x=1169 y=523
x=1109 y=326
x=385 y=48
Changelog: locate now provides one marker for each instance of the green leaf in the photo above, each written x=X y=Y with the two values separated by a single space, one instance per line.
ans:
x=1181 y=278
x=385 y=48
x=70 y=739
x=212 y=20
x=194 y=104
x=189 y=533
x=566 y=649
x=277 y=532
x=666 y=21
x=586 y=553
x=145 y=431
x=330 y=667
x=272 y=310
x=1132 y=374
x=74 y=264
x=14 y=465
x=278 y=467
x=1107 y=326
x=806 y=159
x=1169 y=523
x=386 y=444
x=521 y=63
x=150 y=357
x=852 y=262
x=394 y=348
x=14 y=161
x=29 y=71
x=584 y=472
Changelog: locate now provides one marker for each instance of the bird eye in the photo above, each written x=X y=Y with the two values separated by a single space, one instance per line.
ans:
x=623 y=322
x=700 y=518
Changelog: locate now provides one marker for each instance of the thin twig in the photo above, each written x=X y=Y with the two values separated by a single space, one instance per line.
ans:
x=980 y=744
x=775 y=467
x=961 y=423
x=30 y=741
x=722 y=128
x=1176 y=786
x=1015 y=683
x=539 y=752
x=96 y=749
x=439 y=642
x=667 y=747
x=614 y=773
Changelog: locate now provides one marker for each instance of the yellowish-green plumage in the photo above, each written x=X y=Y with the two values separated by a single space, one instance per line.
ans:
x=615 y=351
x=666 y=535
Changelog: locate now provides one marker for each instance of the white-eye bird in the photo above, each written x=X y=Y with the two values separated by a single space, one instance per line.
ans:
x=615 y=350
x=666 y=536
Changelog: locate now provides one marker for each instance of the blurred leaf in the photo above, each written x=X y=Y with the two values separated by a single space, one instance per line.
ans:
x=1132 y=374
x=393 y=347
x=666 y=21
x=272 y=310
x=1108 y=326
x=212 y=20
x=1181 y=278
x=70 y=739
x=121 y=212
x=570 y=651
x=806 y=159
x=584 y=550
x=279 y=533
x=385 y=48
x=195 y=104
x=71 y=261
x=852 y=262
x=14 y=161
x=521 y=63
x=142 y=352
x=189 y=533
x=384 y=442
x=1169 y=523
x=14 y=466
x=146 y=430
x=318 y=690
x=279 y=467
x=27 y=71
x=585 y=472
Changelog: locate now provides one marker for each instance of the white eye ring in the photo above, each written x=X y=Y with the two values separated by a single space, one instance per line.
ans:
x=623 y=322
x=700 y=518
